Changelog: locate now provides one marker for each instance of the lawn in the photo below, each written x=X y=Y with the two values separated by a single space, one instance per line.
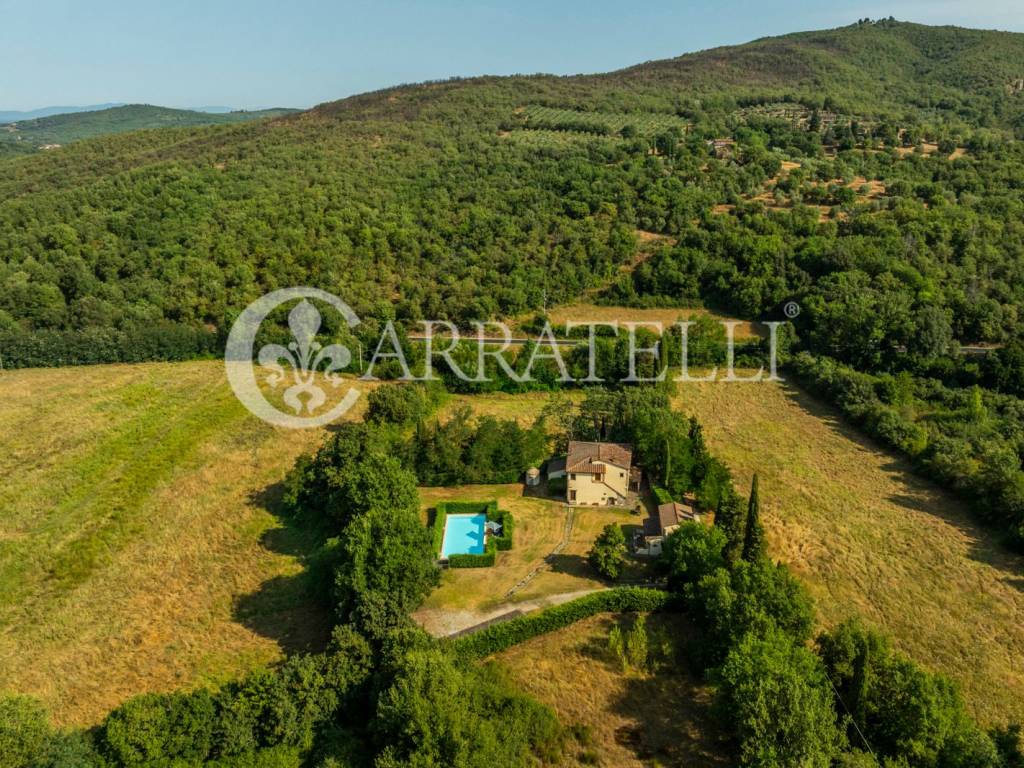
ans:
x=634 y=719
x=872 y=539
x=138 y=550
x=524 y=408
x=471 y=595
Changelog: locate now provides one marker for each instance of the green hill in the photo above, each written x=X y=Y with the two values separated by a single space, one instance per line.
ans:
x=452 y=180
x=66 y=128
x=461 y=197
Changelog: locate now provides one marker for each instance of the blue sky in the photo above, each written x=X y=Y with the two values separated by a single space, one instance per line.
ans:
x=302 y=52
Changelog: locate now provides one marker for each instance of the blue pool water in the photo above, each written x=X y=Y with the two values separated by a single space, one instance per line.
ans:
x=463 y=535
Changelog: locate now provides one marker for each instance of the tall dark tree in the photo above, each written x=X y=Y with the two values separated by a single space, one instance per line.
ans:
x=753 y=535
x=729 y=518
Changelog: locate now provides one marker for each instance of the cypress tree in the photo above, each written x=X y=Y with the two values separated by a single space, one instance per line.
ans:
x=727 y=517
x=860 y=685
x=668 y=463
x=699 y=449
x=753 y=537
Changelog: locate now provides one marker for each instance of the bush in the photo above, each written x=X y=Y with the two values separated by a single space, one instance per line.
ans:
x=508 y=524
x=485 y=560
x=160 y=727
x=498 y=637
x=404 y=404
x=776 y=696
x=24 y=730
x=608 y=555
x=661 y=496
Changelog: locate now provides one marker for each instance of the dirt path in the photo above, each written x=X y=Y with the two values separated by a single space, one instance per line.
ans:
x=440 y=622
x=559 y=548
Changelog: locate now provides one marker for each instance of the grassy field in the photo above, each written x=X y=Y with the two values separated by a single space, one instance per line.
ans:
x=872 y=539
x=634 y=719
x=137 y=546
x=139 y=549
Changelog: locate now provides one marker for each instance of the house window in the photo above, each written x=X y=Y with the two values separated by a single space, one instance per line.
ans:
x=572 y=476
x=622 y=474
x=572 y=495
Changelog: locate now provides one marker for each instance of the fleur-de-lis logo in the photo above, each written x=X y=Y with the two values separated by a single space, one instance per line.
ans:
x=303 y=365
x=305 y=355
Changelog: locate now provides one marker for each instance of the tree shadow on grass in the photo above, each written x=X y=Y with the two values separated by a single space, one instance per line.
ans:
x=673 y=723
x=573 y=565
x=293 y=610
x=922 y=495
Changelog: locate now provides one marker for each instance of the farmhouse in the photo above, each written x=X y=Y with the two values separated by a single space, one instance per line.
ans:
x=597 y=473
x=667 y=519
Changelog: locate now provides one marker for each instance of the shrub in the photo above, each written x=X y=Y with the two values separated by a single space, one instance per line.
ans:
x=484 y=560
x=404 y=404
x=508 y=524
x=608 y=555
x=23 y=730
x=498 y=637
x=160 y=727
x=661 y=496
x=776 y=695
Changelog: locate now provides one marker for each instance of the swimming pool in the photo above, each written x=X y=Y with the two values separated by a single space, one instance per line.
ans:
x=463 y=535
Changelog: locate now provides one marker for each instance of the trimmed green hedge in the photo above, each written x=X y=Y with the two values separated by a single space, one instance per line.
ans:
x=494 y=543
x=508 y=525
x=661 y=496
x=485 y=560
x=498 y=637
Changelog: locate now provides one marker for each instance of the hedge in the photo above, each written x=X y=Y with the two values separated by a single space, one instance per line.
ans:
x=494 y=543
x=485 y=560
x=499 y=637
x=661 y=495
x=508 y=525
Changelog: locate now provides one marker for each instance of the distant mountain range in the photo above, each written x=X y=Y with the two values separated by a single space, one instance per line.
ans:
x=10 y=116
x=29 y=134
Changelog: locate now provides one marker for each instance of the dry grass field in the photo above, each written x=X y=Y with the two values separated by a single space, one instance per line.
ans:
x=635 y=719
x=874 y=540
x=139 y=551
x=137 y=548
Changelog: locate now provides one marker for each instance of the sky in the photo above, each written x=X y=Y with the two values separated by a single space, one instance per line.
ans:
x=297 y=53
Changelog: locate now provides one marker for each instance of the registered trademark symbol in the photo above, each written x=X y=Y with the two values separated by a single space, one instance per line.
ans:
x=791 y=310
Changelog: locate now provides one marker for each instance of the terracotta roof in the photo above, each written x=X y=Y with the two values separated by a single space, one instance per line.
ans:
x=587 y=458
x=674 y=513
